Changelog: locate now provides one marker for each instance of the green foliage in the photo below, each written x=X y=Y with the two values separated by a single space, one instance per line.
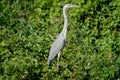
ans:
x=28 y=28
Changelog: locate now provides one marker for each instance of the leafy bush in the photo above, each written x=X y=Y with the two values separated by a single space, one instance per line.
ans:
x=28 y=28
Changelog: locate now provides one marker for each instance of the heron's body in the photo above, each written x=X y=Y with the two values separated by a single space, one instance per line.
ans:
x=59 y=42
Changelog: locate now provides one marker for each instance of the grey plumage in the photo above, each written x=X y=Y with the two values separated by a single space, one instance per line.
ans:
x=60 y=41
x=56 y=47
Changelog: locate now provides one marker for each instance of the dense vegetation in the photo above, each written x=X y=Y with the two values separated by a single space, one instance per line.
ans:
x=28 y=28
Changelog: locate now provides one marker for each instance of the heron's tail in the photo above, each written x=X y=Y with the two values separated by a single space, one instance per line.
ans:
x=49 y=62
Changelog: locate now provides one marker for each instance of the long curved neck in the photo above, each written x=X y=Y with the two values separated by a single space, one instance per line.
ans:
x=65 y=23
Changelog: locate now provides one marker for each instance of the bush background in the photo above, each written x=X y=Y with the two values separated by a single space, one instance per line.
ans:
x=28 y=28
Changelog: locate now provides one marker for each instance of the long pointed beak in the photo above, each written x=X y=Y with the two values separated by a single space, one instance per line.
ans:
x=74 y=6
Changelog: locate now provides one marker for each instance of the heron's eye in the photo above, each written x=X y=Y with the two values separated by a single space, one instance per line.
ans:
x=69 y=5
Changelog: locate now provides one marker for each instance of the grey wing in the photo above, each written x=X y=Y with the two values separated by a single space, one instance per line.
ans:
x=56 y=47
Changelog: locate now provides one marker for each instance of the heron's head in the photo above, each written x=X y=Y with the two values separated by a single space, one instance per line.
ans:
x=69 y=6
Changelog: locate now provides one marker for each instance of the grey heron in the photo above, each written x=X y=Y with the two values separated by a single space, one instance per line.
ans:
x=60 y=41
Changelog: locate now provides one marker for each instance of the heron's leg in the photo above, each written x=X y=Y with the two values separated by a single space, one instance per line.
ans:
x=58 y=59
